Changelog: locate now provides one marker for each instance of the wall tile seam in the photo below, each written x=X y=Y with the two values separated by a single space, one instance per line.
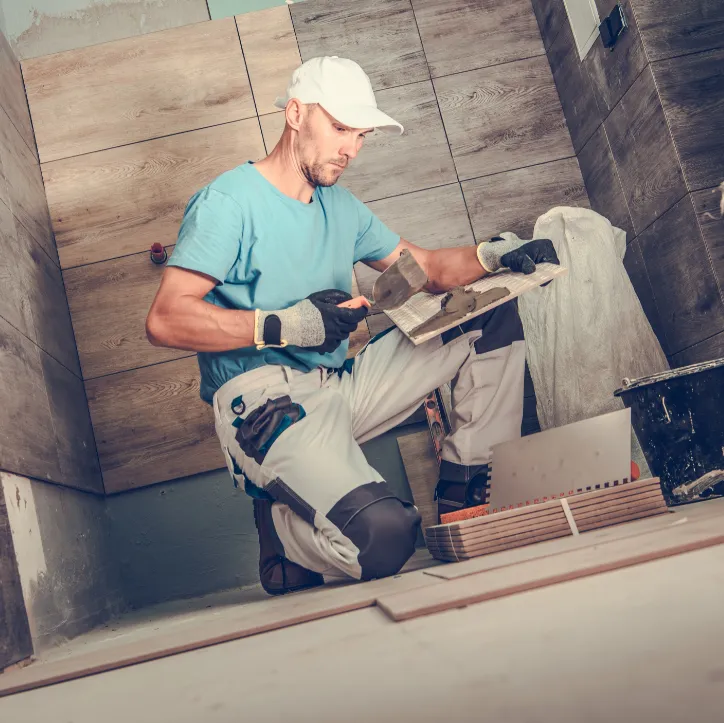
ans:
x=701 y=341
x=138 y=368
x=17 y=130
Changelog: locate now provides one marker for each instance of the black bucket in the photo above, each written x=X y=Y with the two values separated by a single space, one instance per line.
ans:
x=678 y=417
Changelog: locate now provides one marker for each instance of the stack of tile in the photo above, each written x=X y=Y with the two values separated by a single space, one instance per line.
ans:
x=545 y=521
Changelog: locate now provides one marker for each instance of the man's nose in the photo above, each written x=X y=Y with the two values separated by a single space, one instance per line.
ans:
x=349 y=149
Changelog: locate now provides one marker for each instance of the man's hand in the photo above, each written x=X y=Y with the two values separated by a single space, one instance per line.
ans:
x=316 y=323
x=508 y=251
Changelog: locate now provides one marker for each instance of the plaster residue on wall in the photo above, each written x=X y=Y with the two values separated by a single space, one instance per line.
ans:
x=41 y=27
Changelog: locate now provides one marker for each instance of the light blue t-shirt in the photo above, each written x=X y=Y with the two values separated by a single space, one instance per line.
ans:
x=268 y=251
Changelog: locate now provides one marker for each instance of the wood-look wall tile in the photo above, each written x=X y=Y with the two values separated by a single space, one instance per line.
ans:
x=434 y=218
x=634 y=263
x=151 y=426
x=379 y=323
x=574 y=88
x=12 y=94
x=602 y=182
x=109 y=302
x=358 y=338
x=459 y=35
x=513 y=201
x=682 y=277
x=684 y=26
x=16 y=273
x=118 y=202
x=27 y=437
x=271 y=53
x=25 y=186
x=501 y=118
x=692 y=93
x=272 y=126
x=644 y=153
x=612 y=71
x=551 y=16
x=77 y=454
x=709 y=209
x=182 y=79
x=380 y=35
x=707 y=350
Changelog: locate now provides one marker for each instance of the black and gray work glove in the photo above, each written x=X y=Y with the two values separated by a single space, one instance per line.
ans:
x=316 y=323
x=509 y=251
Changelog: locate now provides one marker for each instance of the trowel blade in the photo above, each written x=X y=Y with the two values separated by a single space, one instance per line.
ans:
x=399 y=282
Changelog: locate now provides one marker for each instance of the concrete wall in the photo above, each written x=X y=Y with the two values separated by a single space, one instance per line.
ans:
x=67 y=568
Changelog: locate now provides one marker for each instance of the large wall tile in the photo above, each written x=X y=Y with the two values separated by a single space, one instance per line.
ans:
x=513 y=201
x=501 y=118
x=12 y=94
x=682 y=278
x=602 y=182
x=151 y=425
x=692 y=93
x=25 y=186
x=120 y=201
x=380 y=35
x=77 y=455
x=644 y=153
x=551 y=16
x=612 y=72
x=384 y=167
x=434 y=218
x=709 y=209
x=271 y=53
x=634 y=263
x=109 y=302
x=711 y=348
x=27 y=437
x=459 y=35
x=672 y=28
x=190 y=77
x=574 y=88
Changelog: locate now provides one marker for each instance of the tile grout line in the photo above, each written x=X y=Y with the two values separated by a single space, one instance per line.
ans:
x=701 y=341
x=138 y=368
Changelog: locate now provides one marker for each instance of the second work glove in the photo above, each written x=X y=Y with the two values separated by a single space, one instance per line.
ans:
x=316 y=323
x=509 y=251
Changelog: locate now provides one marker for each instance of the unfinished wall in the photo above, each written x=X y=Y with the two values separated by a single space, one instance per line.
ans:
x=646 y=120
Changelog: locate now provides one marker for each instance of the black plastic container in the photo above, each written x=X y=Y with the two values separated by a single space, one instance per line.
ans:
x=678 y=417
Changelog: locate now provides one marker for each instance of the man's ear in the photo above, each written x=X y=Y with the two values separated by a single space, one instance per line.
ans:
x=295 y=112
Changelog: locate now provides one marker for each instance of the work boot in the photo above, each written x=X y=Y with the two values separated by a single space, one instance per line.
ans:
x=461 y=486
x=277 y=574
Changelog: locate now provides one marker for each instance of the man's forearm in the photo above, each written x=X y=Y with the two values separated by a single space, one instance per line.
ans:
x=448 y=268
x=197 y=325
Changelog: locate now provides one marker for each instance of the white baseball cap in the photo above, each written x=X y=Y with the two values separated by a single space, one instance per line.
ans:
x=342 y=88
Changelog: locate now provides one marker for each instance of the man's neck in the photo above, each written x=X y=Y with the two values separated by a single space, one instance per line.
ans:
x=281 y=168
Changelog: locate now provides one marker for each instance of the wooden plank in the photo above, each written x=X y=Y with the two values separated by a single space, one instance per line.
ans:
x=25 y=186
x=602 y=183
x=27 y=437
x=12 y=94
x=378 y=323
x=150 y=425
x=551 y=16
x=271 y=53
x=688 y=298
x=539 y=573
x=644 y=153
x=433 y=218
x=118 y=202
x=710 y=214
x=501 y=118
x=711 y=348
x=380 y=35
x=182 y=79
x=496 y=204
x=421 y=468
x=692 y=94
x=214 y=627
x=634 y=514
x=358 y=338
x=492 y=528
x=460 y=35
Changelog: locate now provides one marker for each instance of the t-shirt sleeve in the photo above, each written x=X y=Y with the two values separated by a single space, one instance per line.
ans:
x=210 y=235
x=374 y=240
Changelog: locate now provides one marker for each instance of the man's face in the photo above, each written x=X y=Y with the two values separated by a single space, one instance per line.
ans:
x=326 y=146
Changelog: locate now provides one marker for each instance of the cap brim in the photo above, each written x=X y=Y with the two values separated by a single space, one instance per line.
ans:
x=362 y=116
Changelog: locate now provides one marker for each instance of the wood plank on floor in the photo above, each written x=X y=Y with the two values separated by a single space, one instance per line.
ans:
x=118 y=202
x=421 y=467
x=185 y=78
x=533 y=574
x=12 y=94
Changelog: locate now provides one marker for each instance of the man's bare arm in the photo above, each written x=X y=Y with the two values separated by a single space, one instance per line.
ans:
x=179 y=317
x=445 y=268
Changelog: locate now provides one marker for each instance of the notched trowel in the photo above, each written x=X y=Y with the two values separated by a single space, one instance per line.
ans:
x=398 y=283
